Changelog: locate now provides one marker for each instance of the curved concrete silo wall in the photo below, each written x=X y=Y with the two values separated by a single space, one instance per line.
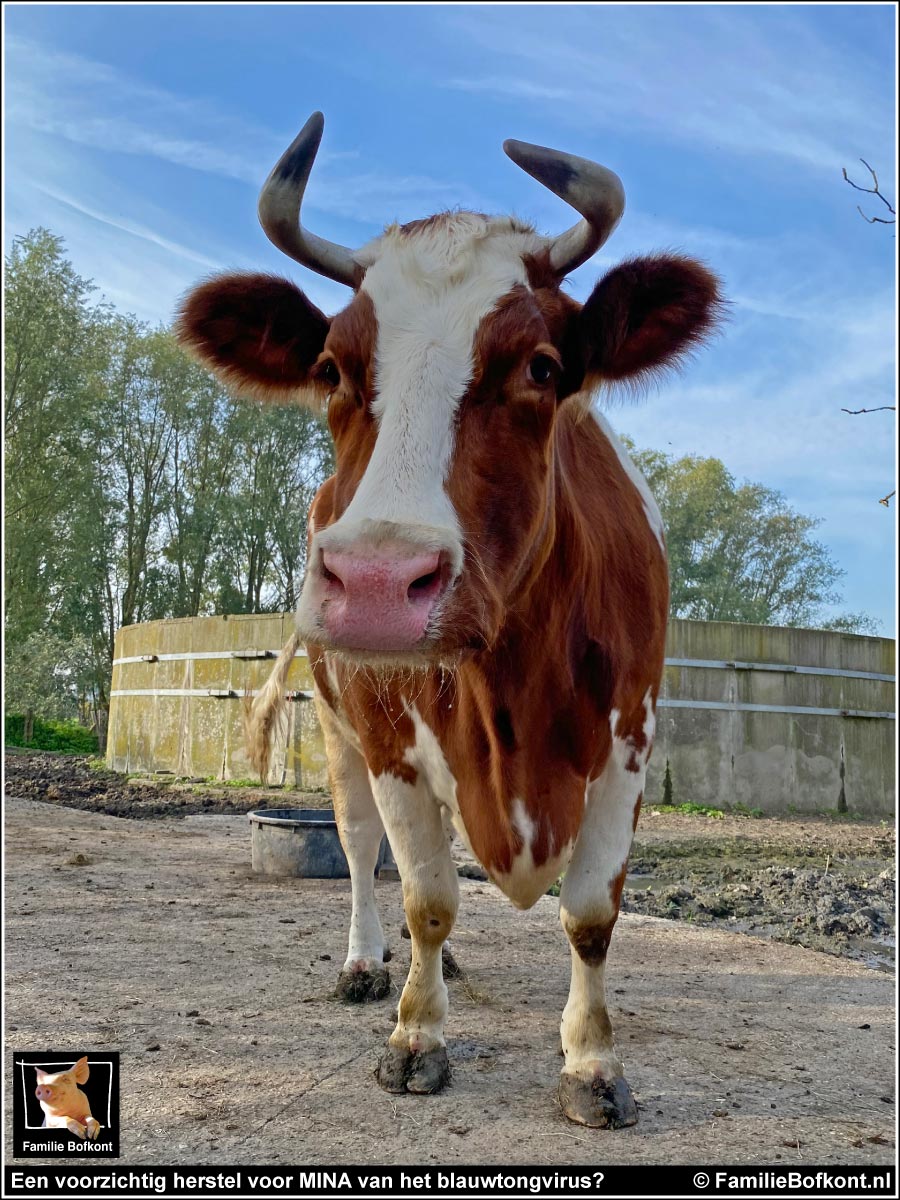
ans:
x=770 y=718
x=177 y=698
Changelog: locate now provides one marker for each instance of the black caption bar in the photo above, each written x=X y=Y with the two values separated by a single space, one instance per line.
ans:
x=106 y=1179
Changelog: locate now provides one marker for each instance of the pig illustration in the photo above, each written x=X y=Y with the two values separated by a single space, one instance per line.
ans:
x=65 y=1105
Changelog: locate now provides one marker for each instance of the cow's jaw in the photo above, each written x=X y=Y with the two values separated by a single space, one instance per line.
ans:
x=381 y=577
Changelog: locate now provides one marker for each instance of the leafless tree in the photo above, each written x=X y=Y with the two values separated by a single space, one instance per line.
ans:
x=872 y=191
x=875 y=190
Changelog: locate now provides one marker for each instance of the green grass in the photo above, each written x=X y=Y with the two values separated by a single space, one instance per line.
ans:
x=234 y=783
x=63 y=737
x=688 y=808
x=742 y=810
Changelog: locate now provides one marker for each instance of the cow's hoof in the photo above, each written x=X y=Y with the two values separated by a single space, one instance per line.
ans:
x=423 y=1072
x=361 y=986
x=601 y=1103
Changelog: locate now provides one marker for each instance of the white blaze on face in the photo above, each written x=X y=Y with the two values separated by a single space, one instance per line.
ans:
x=431 y=289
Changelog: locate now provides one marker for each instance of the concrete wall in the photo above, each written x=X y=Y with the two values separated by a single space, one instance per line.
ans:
x=725 y=747
x=163 y=716
x=732 y=731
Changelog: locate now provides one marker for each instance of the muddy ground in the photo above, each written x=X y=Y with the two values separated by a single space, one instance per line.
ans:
x=154 y=938
x=825 y=884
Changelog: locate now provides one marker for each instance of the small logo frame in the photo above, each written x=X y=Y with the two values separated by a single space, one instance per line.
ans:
x=65 y=1104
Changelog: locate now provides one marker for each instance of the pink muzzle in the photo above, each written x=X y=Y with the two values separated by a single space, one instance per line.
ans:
x=381 y=599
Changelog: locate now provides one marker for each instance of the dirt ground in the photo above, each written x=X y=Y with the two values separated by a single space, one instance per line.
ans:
x=155 y=939
x=825 y=884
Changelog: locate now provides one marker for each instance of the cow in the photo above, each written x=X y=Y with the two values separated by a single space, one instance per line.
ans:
x=486 y=592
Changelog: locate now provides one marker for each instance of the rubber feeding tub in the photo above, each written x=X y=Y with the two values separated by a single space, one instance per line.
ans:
x=301 y=842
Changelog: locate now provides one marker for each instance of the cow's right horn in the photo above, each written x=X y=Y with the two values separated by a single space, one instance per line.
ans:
x=594 y=191
x=279 y=210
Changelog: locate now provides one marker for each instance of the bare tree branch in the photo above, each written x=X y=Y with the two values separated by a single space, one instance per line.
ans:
x=854 y=412
x=872 y=191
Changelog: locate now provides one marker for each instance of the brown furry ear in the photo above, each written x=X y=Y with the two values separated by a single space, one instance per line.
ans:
x=258 y=333
x=647 y=314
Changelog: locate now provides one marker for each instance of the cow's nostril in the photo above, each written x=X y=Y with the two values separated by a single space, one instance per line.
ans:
x=331 y=577
x=425 y=585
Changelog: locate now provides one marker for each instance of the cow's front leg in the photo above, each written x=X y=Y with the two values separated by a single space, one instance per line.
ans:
x=593 y=1089
x=416 y=1056
x=364 y=975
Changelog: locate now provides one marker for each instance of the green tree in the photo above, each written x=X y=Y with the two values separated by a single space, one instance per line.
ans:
x=282 y=455
x=53 y=370
x=137 y=488
x=739 y=552
x=46 y=676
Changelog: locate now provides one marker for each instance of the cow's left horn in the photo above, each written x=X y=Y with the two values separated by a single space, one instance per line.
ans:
x=279 y=210
x=594 y=191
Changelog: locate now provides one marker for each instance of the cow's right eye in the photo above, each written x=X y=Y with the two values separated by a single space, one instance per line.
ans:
x=542 y=369
x=330 y=374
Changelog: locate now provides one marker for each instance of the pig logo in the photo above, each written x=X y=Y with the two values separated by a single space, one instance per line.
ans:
x=64 y=1103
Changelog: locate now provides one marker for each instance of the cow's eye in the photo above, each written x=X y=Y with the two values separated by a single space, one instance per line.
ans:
x=329 y=373
x=541 y=369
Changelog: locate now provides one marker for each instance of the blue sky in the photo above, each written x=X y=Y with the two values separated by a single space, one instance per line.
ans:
x=141 y=134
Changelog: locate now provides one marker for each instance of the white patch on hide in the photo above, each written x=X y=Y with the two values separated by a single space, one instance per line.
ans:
x=651 y=508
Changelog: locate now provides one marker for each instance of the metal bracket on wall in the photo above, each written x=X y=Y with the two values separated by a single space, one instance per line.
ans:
x=782 y=668
x=799 y=709
x=252 y=654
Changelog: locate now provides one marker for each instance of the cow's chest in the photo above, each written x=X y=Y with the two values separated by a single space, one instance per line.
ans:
x=519 y=828
x=518 y=807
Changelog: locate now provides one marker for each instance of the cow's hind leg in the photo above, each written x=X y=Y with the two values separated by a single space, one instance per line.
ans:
x=592 y=1088
x=416 y=1056
x=364 y=975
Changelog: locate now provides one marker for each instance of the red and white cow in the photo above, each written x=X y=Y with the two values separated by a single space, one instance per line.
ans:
x=486 y=594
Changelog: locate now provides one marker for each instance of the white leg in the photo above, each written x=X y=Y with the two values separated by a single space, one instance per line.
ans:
x=416 y=1056
x=593 y=1090
x=364 y=976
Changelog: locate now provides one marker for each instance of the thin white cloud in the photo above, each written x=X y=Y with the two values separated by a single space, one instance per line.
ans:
x=130 y=227
x=65 y=96
x=703 y=75
x=92 y=104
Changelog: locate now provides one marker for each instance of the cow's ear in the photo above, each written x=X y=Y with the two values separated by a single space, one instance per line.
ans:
x=258 y=333
x=81 y=1070
x=645 y=315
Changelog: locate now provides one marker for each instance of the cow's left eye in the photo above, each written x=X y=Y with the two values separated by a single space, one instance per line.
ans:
x=541 y=369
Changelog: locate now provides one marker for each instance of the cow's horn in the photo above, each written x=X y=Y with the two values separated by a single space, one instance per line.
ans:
x=594 y=191
x=279 y=210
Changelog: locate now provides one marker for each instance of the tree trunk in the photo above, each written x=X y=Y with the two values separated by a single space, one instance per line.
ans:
x=28 y=732
x=102 y=727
